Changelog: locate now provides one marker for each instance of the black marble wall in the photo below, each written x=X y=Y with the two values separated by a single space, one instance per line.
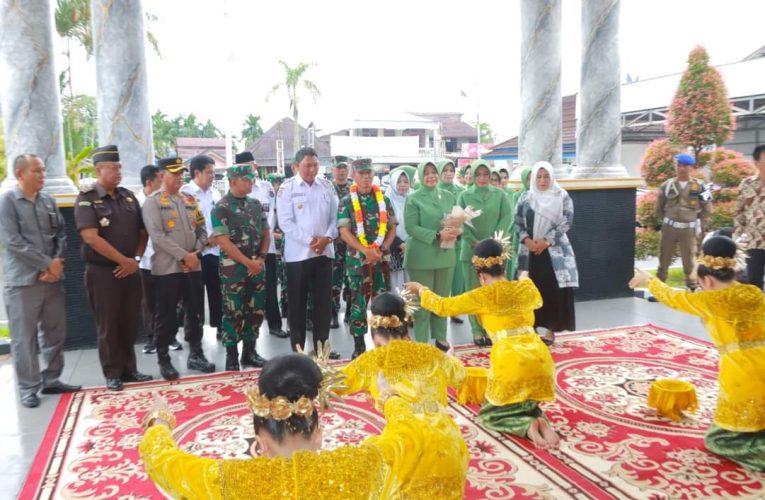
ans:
x=80 y=324
x=603 y=237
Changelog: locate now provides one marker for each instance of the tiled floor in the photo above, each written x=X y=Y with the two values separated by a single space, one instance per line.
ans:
x=22 y=429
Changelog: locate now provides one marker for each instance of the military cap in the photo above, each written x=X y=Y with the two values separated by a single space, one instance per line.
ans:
x=685 y=159
x=172 y=165
x=105 y=153
x=362 y=164
x=340 y=161
x=243 y=157
x=275 y=178
x=240 y=171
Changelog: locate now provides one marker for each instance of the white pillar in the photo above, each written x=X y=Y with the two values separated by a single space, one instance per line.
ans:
x=541 y=129
x=122 y=92
x=29 y=91
x=599 y=128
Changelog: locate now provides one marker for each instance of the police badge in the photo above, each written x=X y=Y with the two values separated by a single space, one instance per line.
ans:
x=104 y=222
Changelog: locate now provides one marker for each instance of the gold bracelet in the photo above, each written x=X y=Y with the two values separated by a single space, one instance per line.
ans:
x=383 y=398
x=161 y=414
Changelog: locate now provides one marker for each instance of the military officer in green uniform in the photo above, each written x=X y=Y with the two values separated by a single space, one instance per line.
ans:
x=241 y=228
x=368 y=240
x=177 y=230
x=339 y=280
x=682 y=205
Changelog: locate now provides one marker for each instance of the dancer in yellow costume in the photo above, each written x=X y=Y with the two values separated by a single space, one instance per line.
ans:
x=521 y=369
x=288 y=436
x=435 y=458
x=734 y=314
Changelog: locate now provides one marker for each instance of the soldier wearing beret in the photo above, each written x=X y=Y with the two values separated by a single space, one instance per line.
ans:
x=108 y=218
x=340 y=286
x=367 y=224
x=241 y=227
x=683 y=204
x=177 y=229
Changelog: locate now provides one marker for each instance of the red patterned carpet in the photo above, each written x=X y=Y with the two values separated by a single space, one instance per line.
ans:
x=614 y=445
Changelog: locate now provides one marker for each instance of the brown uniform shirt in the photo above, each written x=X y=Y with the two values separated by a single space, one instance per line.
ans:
x=117 y=219
x=683 y=204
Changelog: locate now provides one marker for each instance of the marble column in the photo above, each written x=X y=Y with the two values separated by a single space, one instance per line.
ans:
x=29 y=91
x=599 y=127
x=541 y=129
x=121 y=85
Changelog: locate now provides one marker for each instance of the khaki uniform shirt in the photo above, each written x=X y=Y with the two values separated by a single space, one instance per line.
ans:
x=176 y=227
x=683 y=204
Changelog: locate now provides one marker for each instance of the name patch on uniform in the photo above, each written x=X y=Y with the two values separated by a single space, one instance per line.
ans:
x=84 y=203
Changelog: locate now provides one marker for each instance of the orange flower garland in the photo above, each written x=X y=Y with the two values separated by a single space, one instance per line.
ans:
x=382 y=209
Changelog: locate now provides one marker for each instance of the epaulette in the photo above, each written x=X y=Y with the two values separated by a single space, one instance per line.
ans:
x=87 y=189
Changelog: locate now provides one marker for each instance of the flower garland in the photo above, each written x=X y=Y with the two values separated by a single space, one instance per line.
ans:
x=360 y=232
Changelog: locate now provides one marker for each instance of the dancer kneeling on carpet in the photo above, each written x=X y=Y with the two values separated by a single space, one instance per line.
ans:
x=521 y=371
x=734 y=314
x=435 y=462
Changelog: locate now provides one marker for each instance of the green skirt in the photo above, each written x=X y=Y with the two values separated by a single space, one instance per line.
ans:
x=744 y=448
x=514 y=419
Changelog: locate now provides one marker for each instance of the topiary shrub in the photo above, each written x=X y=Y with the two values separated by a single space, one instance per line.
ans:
x=658 y=162
x=646 y=243
x=646 y=210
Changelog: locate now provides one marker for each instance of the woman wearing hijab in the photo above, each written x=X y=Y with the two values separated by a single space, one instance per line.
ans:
x=504 y=178
x=397 y=192
x=424 y=259
x=543 y=217
x=515 y=195
x=446 y=174
x=495 y=178
x=496 y=215
x=467 y=176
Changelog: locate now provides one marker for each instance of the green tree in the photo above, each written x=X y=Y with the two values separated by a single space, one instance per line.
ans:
x=79 y=122
x=79 y=165
x=166 y=130
x=487 y=135
x=293 y=77
x=252 y=129
x=700 y=114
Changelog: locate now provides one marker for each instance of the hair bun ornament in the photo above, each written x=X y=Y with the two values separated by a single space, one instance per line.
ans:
x=377 y=321
x=278 y=408
x=717 y=262
x=505 y=242
x=410 y=304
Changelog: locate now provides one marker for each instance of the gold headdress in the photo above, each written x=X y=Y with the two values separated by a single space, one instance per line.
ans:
x=393 y=321
x=507 y=252
x=717 y=262
x=281 y=408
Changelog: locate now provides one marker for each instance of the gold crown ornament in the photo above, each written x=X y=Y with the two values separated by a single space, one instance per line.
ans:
x=507 y=252
x=711 y=262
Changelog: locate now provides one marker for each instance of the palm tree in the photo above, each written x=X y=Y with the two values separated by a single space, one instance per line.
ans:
x=252 y=129
x=293 y=78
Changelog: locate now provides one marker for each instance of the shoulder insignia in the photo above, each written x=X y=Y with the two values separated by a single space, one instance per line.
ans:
x=84 y=203
x=88 y=189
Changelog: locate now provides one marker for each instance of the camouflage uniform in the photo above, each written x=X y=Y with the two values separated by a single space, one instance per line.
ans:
x=364 y=281
x=340 y=285
x=244 y=297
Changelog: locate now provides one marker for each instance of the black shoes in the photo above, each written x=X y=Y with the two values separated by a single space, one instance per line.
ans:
x=167 y=370
x=136 y=377
x=334 y=355
x=443 y=346
x=232 y=359
x=175 y=345
x=149 y=348
x=250 y=356
x=457 y=320
x=114 y=384
x=359 y=347
x=197 y=361
x=30 y=401
x=334 y=323
x=279 y=334
x=61 y=388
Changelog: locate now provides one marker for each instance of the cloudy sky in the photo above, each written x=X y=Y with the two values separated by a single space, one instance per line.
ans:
x=374 y=59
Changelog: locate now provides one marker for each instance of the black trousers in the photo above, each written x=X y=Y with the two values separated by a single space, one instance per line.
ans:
x=116 y=304
x=317 y=272
x=273 y=315
x=755 y=266
x=211 y=282
x=148 y=305
x=171 y=288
